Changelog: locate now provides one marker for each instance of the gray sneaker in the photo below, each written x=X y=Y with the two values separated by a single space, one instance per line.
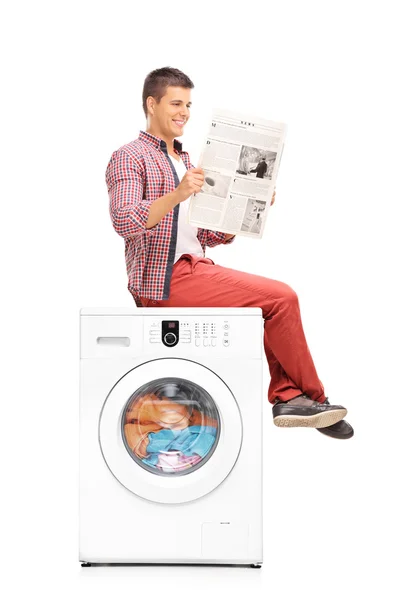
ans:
x=342 y=430
x=301 y=411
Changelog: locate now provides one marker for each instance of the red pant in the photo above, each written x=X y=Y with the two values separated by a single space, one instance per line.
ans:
x=199 y=281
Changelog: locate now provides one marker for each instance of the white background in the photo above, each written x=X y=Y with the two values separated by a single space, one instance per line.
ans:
x=72 y=75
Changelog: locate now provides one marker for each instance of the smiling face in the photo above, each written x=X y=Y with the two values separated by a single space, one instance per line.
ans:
x=168 y=118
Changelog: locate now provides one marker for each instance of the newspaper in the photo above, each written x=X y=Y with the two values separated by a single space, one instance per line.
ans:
x=240 y=158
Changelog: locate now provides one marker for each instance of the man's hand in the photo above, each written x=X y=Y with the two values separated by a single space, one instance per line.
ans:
x=273 y=198
x=191 y=183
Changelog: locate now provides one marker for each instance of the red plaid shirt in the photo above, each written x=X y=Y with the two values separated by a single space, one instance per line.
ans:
x=137 y=174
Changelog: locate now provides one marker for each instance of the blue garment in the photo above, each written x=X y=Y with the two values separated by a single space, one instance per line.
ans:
x=197 y=439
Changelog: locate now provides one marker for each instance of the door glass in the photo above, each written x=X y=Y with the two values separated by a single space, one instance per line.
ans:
x=170 y=426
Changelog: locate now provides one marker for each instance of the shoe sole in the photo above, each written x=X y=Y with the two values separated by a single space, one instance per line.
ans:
x=319 y=420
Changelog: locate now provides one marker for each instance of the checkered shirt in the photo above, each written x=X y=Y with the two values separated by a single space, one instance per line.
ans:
x=137 y=174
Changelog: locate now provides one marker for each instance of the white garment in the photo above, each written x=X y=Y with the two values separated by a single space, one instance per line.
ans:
x=187 y=242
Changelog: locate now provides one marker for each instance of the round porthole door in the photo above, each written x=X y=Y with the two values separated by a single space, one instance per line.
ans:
x=170 y=430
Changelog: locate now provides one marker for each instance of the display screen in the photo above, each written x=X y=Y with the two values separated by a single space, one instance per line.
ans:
x=171 y=325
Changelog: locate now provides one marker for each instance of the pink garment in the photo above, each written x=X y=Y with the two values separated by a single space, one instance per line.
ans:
x=174 y=460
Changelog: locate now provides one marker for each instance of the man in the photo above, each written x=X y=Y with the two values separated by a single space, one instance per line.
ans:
x=150 y=181
x=260 y=169
x=245 y=165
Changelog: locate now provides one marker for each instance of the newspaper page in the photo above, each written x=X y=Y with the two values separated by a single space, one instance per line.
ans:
x=240 y=158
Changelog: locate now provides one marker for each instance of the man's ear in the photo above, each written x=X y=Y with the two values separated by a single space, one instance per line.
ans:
x=150 y=101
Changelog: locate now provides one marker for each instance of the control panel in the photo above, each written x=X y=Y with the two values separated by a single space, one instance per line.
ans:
x=190 y=332
x=169 y=332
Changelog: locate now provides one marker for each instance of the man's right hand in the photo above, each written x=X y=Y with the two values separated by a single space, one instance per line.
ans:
x=191 y=183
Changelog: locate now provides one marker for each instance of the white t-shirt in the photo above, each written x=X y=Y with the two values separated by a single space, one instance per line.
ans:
x=187 y=242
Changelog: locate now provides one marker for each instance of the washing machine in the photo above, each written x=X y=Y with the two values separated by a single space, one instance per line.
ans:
x=171 y=436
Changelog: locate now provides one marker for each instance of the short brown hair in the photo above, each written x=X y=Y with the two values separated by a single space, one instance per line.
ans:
x=158 y=80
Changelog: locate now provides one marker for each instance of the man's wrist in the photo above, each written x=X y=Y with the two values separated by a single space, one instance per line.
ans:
x=177 y=197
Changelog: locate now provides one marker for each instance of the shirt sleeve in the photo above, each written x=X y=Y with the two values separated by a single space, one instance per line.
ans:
x=129 y=211
x=213 y=238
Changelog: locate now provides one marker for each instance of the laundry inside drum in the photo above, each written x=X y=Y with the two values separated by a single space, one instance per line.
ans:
x=171 y=426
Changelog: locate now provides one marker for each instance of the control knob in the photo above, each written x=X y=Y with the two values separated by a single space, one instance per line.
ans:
x=170 y=338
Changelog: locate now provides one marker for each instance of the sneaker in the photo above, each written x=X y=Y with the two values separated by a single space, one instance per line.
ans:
x=342 y=430
x=301 y=411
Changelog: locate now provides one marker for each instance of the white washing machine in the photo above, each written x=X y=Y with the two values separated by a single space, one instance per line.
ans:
x=171 y=435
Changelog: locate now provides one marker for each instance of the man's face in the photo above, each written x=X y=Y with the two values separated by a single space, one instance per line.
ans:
x=172 y=112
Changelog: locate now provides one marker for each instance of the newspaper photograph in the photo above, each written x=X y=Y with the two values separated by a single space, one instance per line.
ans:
x=240 y=159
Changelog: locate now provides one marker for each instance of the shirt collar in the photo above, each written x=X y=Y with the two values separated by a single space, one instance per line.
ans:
x=157 y=142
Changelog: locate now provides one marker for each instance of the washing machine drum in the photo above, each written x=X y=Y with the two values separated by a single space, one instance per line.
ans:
x=170 y=430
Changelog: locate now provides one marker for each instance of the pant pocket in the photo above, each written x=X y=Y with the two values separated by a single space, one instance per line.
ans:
x=201 y=259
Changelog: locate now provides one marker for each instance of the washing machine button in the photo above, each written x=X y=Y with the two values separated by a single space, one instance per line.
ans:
x=169 y=338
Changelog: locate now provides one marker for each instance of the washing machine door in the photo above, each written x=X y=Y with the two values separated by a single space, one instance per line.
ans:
x=170 y=430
